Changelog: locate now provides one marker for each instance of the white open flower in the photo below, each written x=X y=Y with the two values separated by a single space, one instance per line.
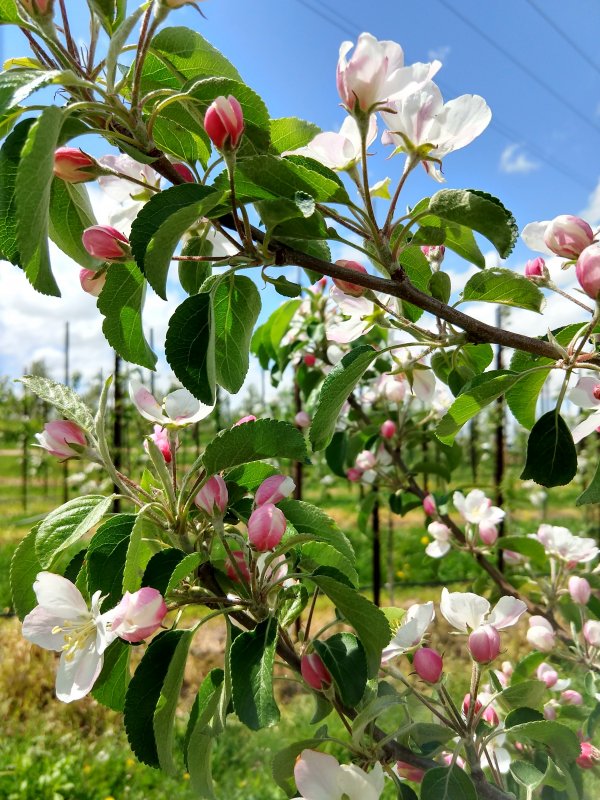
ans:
x=179 y=408
x=441 y=540
x=411 y=631
x=477 y=508
x=127 y=198
x=320 y=777
x=561 y=543
x=339 y=151
x=355 y=317
x=63 y=622
x=465 y=610
x=586 y=394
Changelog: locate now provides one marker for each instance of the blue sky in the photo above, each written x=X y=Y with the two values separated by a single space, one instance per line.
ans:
x=538 y=155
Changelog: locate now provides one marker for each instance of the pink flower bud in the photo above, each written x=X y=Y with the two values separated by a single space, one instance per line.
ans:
x=547 y=674
x=302 y=419
x=535 y=268
x=430 y=506
x=352 y=289
x=106 y=243
x=58 y=436
x=579 y=589
x=591 y=632
x=571 y=698
x=248 y=418
x=91 y=281
x=41 y=8
x=354 y=475
x=490 y=716
x=274 y=490
x=541 y=634
x=488 y=532
x=365 y=460
x=409 y=772
x=184 y=172
x=484 y=644
x=550 y=710
x=589 y=756
x=266 y=527
x=428 y=664
x=567 y=235
x=467 y=705
x=224 y=123
x=160 y=437
x=448 y=759
x=388 y=429
x=434 y=254
x=213 y=497
x=314 y=672
x=138 y=615
x=587 y=270
x=242 y=567
x=321 y=284
x=74 y=166
x=309 y=359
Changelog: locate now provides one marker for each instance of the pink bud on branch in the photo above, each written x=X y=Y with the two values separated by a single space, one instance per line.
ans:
x=224 y=123
x=430 y=506
x=42 y=8
x=58 y=436
x=274 y=490
x=535 y=269
x=587 y=270
x=266 y=527
x=160 y=437
x=242 y=567
x=428 y=664
x=213 y=497
x=567 y=236
x=92 y=282
x=138 y=615
x=314 y=672
x=74 y=166
x=353 y=289
x=388 y=429
x=302 y=419
x=184 y=172
x=484 y=644
x=580 y=590
x=106 y=243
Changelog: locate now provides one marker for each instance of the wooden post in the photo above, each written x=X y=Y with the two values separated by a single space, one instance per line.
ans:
x=118 y=427
x=500 y=460
x=376 y=554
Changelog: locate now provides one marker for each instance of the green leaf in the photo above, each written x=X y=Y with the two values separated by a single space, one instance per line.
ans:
x=440 y=286
x=319 y=554
x=63 y=399
x=251 y=658
x=479 y=211
x=336 y=452
x=106 y=556
x=192 y=274
x=236 y=306
x=496 y=285
x=292 y=601
x=368 y=621
x=70 y=214
x=164 y=716
x=200 y=733
x=418 y=270
x=253 y=441
x=10 y=155
x=191 y=55
x=338 y=385
x=121 y=303
x=551 y=453
x=526 y=666
x=8 y=13
x=592 y=493
x=139 y=551
x=110 y=688
x=530 y=693
x=522 y=400
x=144 y=693
x=16 y=85
x=480 y=392
x=441 y=783
x=528 y=547
x=32 y=195
x=561 y=740
x=184 y=569
x=161 y=567
x=24 y=567
x=458 y=238
x=345 y=658
x=290 y=133
x=250 y=476
x=67 y=524
x=190 y=346
x=308 y=519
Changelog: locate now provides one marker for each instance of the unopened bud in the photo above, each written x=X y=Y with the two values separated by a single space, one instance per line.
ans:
x=591 y=632
x=388 y=429
x=352 y=289
x=184 y=172
x=547 y=674
x=314 y=672
x=91 y=281
x=59 y=435
x=302 y=419
x=213 y=497
x=430 y=506
x=541 y=634
x=571 y=698
x=567 y=236
x=365 y=460
x=589 y=756
x=488 y=533
x=266 y=527
x=242 y=567
x=74 y=166
x=224 y=123
x=587 y=270
x=274 y=490
x=106 y=243
x=434 y=254
x=160 y=437
x=579 y=589
x=428 y=664
x=138 y=615
x=484 y=644
x=247 y=418
x=38 y=8
x=354 y=474
x=535 y=269
x=409 y=772
x=309 y=359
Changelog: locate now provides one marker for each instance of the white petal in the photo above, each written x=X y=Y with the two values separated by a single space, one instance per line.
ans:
x=423 y=385
x=458 y=499
x=506 y=612
x=145 y=402
x=76 y=677
x=582 y=394
x=437 y=549
x=37 y=628
x=182 y=408
x=586 y=427
x=317 y=776
x=358 y=785
x=460 y=121
x=462 y=609
x=59 y=596
x=533 y=236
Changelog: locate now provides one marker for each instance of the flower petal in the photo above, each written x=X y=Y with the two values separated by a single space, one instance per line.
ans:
x=533 y=236
x=38 y=626
x=317 y=776
x=358 y=785
x=582 y=394
x=437 y=549
x=75 y=677
x=145 y=402
x=506 y=612
x=586 y=427
x=463 y=610
x=59 y=596
x=183 y=409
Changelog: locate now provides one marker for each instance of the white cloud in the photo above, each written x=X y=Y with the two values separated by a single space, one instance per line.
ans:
x=592 y=212
x=512 y=161
x=442 y=52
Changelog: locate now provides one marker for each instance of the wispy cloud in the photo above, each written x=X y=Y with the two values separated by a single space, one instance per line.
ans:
x=592 y=211
x=442 y=52
x=514 y=161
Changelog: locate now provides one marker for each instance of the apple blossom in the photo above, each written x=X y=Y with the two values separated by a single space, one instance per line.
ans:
x=59 y=436
x=409 y=772
x=160 y=437
x=126 y=197
x=356 y=316
x=224 y=123
x=274 y=490
x=242 y=567
x=465 y=610
x=72 y=165
x=587 y=270
x=338 y=151
x=586 y=394
x=541 y=634
x=180 y=407
x=434 y=254
x=567 y=236
x=393 y=387
x=423 y=126
x=388 y=429
x=410 y=632
x=92 y=281
x=536 y=269
x=354 y=474
x=484 y=643
x=365 y=460
x=579 y=589
x=549 y=710
x=62 y=621
x=213 y=497
x=428 y=664
x=314 y=672
x=441 y=544
x=588 y=757
x=489 y=714
x=352 y=289
x=309 y=359
x=106 y=243
x=138 y=615
x=591 y=632
x=266 y=527
x=547 y=674
x=477 y=508
x=302 y=420
x=319 y=776
x=430 y=506
x=561 y=543
x=184 y=172
x=35 y=7
x=571 y=698
x=488 y=533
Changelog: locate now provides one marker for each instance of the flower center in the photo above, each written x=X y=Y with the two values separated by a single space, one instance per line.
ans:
x=75 y=635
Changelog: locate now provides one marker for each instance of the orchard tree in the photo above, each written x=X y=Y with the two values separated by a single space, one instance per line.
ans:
x=199 y=174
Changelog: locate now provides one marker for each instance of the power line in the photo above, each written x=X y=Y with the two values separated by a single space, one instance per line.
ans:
x=523 y=67
x=564 y=36
x=340 y=23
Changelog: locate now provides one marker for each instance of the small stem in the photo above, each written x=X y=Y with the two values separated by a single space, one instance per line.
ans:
x=72 y=48
x=146 y=33
x=553 y=287
x=364 y=128
x=309 y=620
x=411 y=162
